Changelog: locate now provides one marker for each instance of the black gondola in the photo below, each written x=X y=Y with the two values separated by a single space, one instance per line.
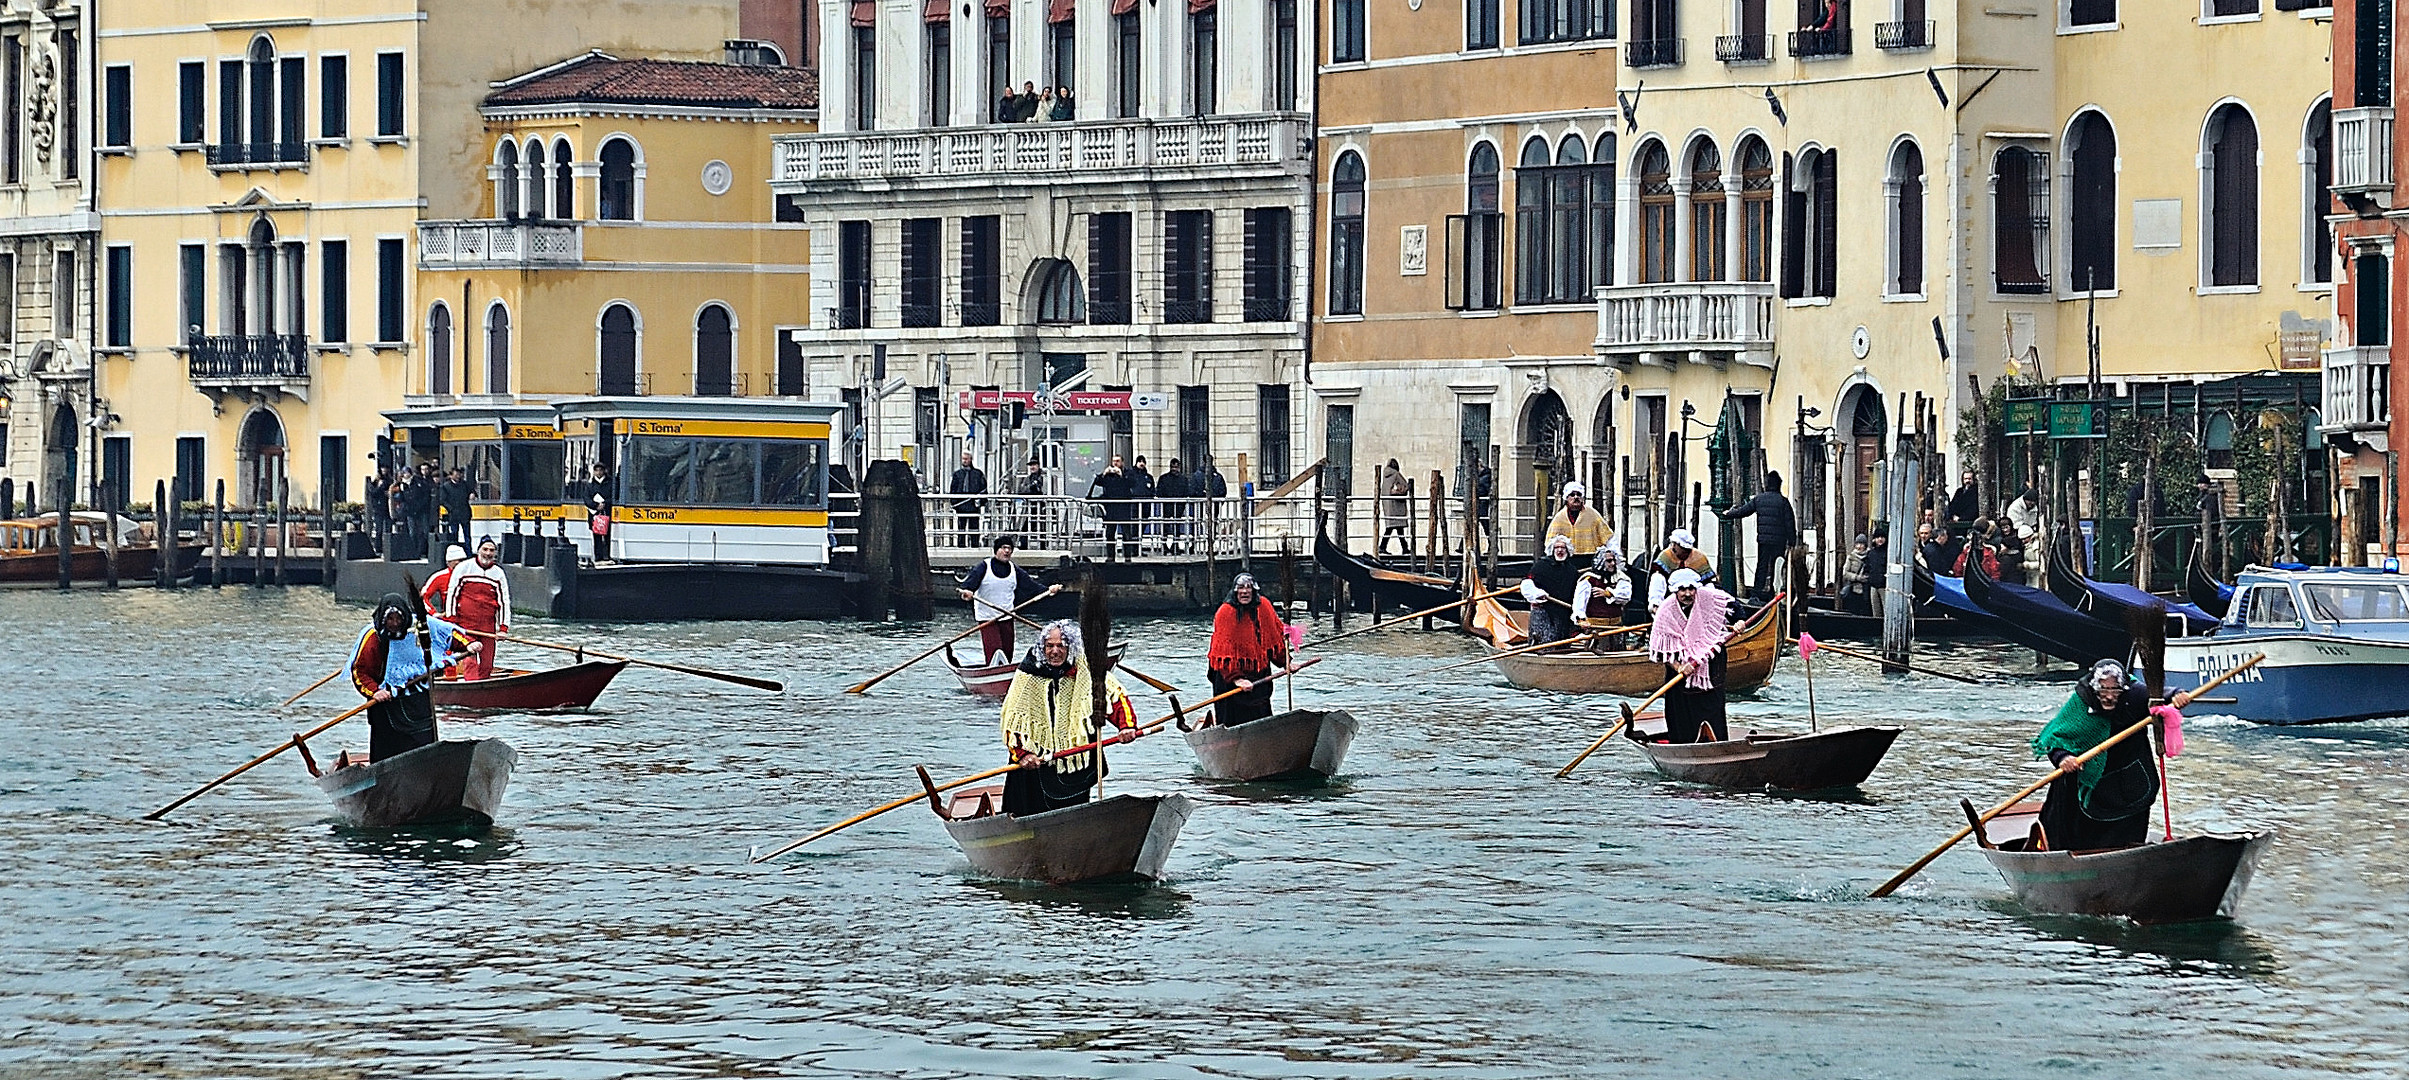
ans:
x=2207 y=593
x=1367 y=576
x=2033 y=618
x=2118 y=605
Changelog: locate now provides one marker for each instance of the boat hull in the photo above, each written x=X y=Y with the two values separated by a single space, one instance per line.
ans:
x=1366 y=577
x=572 y=687
x=1630 y=673
x=1123 y=838
x=2196 y=877
x=445 y=783
x=2305 y=679
x=1303 y=744
x=1840 y=758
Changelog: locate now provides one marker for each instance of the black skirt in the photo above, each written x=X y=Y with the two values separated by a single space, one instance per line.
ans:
x=400 y=725
x=1250 y=705
x=1686 y=708
x=1035 y=791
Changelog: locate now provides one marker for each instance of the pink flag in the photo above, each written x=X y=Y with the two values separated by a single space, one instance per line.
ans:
x=2174 y=728
x=1806 y=644
x=1296 y=635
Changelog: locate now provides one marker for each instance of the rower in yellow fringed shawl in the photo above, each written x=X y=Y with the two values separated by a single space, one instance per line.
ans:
x=1051 y=707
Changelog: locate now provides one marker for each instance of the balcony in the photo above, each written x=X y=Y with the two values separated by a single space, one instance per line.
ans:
x=1043 y=155
x=1743 y=49
x=2358 y=389
x=1818 y=44
x=270 y=155
x=1652 y=52
x=499 y=245
x=1903 y=36
x=2363 y=151
x=231 y=361
x=1704 y=321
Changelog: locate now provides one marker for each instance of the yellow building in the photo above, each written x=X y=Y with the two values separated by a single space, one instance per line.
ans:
x=260 y=211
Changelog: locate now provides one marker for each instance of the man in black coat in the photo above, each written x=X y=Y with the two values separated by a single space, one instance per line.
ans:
x=1173 y=490
x=1965 y=506
x=1777 y=528
x=967 y=480
x=454 y=492
x=1142 y=488
x=1117 y=487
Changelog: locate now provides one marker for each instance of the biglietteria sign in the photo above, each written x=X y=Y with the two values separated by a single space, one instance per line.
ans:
x=1076 y=401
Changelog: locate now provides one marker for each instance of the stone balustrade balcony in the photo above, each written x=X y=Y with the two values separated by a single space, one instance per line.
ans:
x=1704 y=321
x=502 y=245
x=1037 y=155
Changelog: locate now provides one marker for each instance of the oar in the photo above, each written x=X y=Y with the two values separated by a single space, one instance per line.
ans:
x=771 y=685
x=1159 y=685
x=1518 y=651
x=255 y=762
x=1628 y=716
x=865 y=685
x=306 y=691
x=1147 y=729
x=1826 y=646
x=1411 y=617
x=1916 y=867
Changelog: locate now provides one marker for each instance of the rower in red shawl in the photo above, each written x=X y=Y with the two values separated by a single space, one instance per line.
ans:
x=479 y=600
x=1688 y=639
x=1249 y=643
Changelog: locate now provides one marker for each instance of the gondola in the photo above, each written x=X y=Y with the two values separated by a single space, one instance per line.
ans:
x=1302 y=744
x=994 y=680
x=445 y=783
x=574 y=686
x=2120 y=605
x=2033 y=618
x=1817 y=761
x=2182 y=880
x=1629 y=672
x=1120 y=839
x=1365 y=576
x=2207 y=593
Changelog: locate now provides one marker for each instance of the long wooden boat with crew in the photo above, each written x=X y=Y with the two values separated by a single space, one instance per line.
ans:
x=1816 y=761
x=2181 y=880
x=1628 y=672
x=994 y=680
x=1121 y=839
x=572 y=686
x=446 y=783
x=1301 y=744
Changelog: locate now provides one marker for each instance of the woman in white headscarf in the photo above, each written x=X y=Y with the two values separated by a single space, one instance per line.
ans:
x=1550 y=588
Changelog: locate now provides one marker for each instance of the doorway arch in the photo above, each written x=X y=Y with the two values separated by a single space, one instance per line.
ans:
x=1546 y=450
x=59 y=446
x=259 y=457
x=1864 y=429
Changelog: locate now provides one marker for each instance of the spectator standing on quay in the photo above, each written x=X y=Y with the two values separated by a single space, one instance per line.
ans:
x=1142 y=489
x=1964 y=506
x=1777 y=529
x=1396 y=509
x=967 y=480
x=1174 y=491
x=1116 y=488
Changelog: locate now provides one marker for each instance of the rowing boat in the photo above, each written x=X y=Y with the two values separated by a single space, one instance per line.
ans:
x=1302 y=744
x=574 y=686
x=2181 y=880
x=1123 y=838
x=1628 y=672
x=993 y=680
x=445 y=783
x=1818 y=761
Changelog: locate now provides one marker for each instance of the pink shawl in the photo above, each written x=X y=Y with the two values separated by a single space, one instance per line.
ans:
x=1691 y=637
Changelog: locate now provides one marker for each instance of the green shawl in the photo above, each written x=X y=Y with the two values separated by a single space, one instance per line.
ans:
x=2076 y=729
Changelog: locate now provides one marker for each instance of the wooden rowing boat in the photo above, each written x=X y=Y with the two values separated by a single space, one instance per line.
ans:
x=1302 y=744
x=1123 y=838
x=1818 y=761
x=574 y=686
x=1629 y=672
x=445 y=783
x=993 y=680
x=29 y=550
x=2180 y=880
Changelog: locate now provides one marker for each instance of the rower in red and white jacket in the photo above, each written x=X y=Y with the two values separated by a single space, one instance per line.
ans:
x=478 y=599
x=439 y=587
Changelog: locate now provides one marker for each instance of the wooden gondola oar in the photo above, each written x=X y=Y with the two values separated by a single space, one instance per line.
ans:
x=771 y=685
x=1578 y=639
x=1629 y=715
x=864 y=685
x=1826 y=646
x=305 y=692
x=1147 y=729
x=2180 y=700
x=1410 y=617
x=1159 y=685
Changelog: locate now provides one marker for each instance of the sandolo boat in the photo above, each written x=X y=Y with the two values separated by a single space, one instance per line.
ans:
x=444 y=783
x=574 y=686
x=1121 y=839
x=2179 y=880
x=1301 y=744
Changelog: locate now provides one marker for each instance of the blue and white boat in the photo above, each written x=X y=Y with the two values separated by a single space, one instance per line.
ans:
x=2336 y=639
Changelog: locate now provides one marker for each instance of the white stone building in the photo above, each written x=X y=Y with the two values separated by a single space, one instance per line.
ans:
x=48 y=238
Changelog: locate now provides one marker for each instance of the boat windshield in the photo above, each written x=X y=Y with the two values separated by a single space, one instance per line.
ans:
x=2356 y=602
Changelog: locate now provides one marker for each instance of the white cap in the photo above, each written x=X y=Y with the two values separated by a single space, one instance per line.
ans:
x=1573 y=489
x=1684 y=538
x=1684 y=578
x=455 y=553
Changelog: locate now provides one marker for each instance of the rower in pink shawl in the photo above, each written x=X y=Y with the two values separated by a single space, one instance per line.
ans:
x=1688 y=639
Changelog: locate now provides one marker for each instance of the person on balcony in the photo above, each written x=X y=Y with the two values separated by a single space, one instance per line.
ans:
x=1063 y=109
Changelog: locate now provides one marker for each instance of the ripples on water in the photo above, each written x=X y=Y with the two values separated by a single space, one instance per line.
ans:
x=1445 y=909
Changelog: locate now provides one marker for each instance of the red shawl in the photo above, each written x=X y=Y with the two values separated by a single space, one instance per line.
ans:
x=1245 y=644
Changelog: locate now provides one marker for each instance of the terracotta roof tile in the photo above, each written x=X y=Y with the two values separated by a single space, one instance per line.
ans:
x=603 y=80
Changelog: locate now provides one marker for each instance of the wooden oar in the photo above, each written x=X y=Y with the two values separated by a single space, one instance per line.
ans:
x=2077 y=762
x=864 y=685
x=771 y=685
x=1410 y=617
x=1518 y=651
x=1629 y=714
x=255 y=762
x=1159 y=685
x=1826 y=646
x=757 y=856
x=313 y=686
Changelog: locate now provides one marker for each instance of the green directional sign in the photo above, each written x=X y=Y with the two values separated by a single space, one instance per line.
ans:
x=2075 y=420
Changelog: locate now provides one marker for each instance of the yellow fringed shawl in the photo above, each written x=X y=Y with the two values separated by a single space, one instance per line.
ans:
x=1043 y=714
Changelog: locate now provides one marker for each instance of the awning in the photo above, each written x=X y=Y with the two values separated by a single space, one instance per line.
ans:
x=864 y=13
x=1059 y=11
x=937 y=11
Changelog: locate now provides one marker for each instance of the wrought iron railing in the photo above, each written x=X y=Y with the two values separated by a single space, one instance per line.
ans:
x=1903 y=36
x=1652 y=52
x=1809 y=44
x=238 y=155
x=1743 y=48
x=266 y=357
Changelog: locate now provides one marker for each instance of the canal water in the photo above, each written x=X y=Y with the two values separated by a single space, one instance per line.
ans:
x=1444 y=910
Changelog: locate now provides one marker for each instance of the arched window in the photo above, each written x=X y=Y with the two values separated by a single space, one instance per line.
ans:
x=2230 y=189
x=1708 y=219
x=1060 y=300
x=1756 y=210
x=2219 y=444
x=1568 y=222
x=618 y=194
x=1530 y=223
x=259 y=69
x=1655 y=213
x=506 y=180
x=2019 y=212
x=564 y=182
x=1811 y=227
x=1905 y=188
x=1601 y=210
x=2317 y=190
x=1482 y=265
x=2091 y=206
x=714 y=352
x=497 y=349
x=439 y=349
x=1346 y=235
x=537 y=190
x=618 y=346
